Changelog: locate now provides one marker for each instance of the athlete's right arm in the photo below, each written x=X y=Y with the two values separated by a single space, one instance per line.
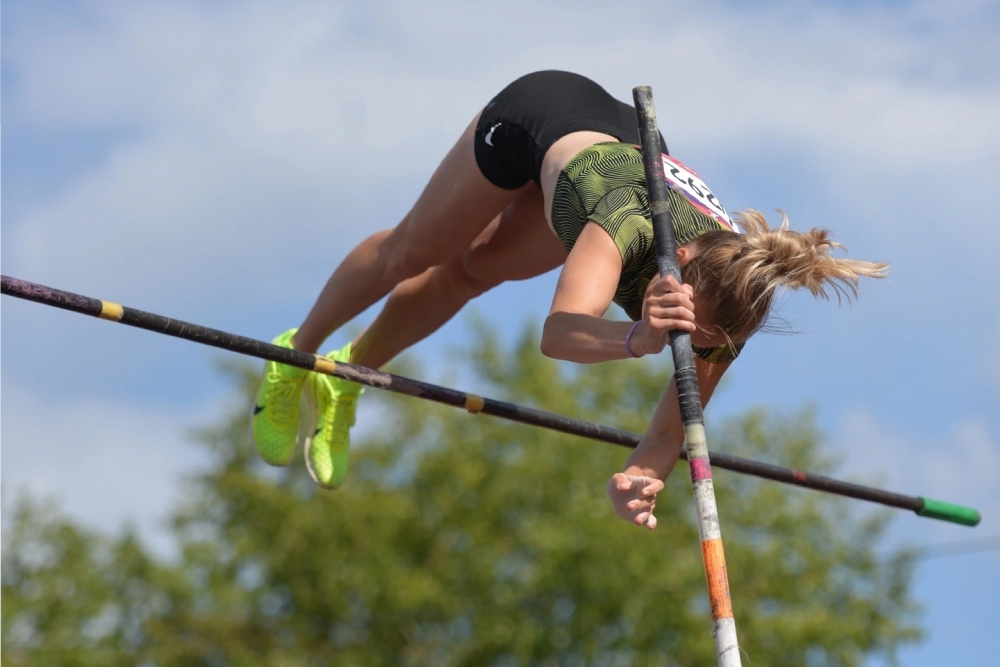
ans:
x=575 y=329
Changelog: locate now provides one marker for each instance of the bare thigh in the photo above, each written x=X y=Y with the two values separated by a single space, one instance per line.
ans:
x=517 y=245
x=454 y=208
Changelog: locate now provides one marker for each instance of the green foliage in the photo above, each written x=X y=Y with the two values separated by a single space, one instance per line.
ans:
x=74 y=598
x=466 y=540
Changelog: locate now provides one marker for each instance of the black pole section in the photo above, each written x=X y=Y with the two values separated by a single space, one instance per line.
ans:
x=688 y=395
x=48 y=296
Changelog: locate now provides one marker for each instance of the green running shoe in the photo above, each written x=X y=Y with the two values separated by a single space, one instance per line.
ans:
x=276 y=413
x=328 y=450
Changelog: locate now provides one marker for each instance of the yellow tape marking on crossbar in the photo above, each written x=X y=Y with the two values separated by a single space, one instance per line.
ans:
x=324 y=365
x=474 y=403
x=111 y=311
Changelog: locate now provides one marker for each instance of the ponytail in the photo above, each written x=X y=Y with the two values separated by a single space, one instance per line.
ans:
x=737 y=275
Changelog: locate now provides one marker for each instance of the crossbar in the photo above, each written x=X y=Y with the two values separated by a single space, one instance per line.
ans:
x=23 y=289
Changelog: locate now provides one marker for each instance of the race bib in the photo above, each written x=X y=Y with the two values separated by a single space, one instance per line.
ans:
x=686 y=182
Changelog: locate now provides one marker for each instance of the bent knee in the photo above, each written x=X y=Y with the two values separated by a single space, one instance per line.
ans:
x=467 y=279
x=403 y=258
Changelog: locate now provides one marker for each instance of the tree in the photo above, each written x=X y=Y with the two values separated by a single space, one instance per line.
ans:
x=72 y=597
x=465 y=540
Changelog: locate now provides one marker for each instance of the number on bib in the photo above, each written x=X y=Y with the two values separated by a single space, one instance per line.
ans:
x=684 y=180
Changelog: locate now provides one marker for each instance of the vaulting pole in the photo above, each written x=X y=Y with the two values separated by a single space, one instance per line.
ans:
x=22 y=289
x=724 y=625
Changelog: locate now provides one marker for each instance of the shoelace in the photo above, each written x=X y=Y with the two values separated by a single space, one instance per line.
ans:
x=282 y=399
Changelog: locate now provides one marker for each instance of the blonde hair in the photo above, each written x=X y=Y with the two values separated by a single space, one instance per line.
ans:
x=738 y=275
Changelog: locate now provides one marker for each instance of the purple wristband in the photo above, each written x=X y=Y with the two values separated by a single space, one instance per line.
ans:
x=628 y=340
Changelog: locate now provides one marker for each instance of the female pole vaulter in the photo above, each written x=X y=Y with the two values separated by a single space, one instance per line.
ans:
x=550 y=174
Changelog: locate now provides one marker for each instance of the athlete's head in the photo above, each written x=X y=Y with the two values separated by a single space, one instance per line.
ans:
x=736 y=276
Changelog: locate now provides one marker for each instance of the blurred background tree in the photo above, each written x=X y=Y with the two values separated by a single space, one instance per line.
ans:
x=465 y=540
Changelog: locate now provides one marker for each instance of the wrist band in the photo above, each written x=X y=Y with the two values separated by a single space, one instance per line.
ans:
x=628 y=340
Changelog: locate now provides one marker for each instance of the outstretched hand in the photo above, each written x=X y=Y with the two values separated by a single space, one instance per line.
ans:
x=634 y=497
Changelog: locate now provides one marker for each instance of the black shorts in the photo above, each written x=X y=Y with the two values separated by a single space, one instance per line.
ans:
x=520 y=124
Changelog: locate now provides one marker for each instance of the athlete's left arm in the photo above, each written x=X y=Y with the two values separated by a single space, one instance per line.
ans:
x=633 y=491
x=576 y=330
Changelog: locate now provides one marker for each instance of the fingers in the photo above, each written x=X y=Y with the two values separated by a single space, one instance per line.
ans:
x=668 y=305
x=639 y=505
x=642 y=485
x=675 y=286
x=621 y=481
x=670 y=300
x=653 y=486
x=663 y=320
x=646 y=499
x=647 y=519
x=660 y=285
x=634 y=497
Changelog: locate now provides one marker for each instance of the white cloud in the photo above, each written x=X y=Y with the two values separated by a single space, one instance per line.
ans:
x=992 y=368
x=256 y=125
x=958 y=465
x=299 y=82
x=106 y=462
x=294 y=74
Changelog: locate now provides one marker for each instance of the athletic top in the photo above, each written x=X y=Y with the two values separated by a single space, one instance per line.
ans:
x=606 y=183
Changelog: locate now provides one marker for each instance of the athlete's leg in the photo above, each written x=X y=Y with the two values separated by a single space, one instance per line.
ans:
x=454 y=208
x=518 y=244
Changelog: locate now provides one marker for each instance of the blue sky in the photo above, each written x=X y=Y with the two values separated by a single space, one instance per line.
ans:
x=212 y=161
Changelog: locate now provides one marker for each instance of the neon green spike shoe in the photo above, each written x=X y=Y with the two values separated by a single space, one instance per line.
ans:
x=328 y=450
x=276 y=413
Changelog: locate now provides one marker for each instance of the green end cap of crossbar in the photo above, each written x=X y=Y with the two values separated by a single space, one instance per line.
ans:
x=936 y=509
